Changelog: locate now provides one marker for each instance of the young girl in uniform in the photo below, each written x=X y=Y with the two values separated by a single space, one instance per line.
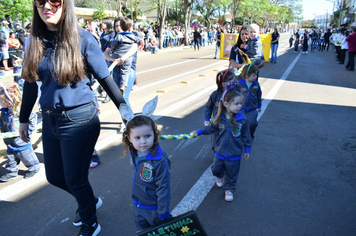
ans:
x=250 y=88
x=211 y=107
x=17 y=150
x=231 y=130
x=150 y=165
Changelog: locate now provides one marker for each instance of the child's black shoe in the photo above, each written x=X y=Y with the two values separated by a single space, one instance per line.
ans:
x=88 y=230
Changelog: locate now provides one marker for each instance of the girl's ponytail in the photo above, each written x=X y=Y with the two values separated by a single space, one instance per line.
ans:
x=221 y=111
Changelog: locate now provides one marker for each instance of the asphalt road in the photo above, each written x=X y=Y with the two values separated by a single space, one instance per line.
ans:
x=300 y=179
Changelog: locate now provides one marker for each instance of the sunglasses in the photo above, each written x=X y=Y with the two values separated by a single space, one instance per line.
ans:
x=55 y=4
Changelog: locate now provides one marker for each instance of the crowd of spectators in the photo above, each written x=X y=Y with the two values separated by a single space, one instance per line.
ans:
x=13 y=38
x=173 y=35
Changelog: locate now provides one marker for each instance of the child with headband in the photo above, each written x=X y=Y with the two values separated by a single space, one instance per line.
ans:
x=211 y=107
x=17 y=150
x=232 y=140
x=150 y=165
x=251 y=89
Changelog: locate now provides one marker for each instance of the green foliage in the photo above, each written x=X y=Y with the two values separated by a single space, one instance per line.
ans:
x=100 y=14
x=20 y=8
x=137 y=10
x=262 y=12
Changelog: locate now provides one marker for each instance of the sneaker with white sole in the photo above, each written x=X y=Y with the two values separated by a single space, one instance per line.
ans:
x=219 y=182
x=229 y=196
x=8 y=177
x=78 y=221
x=89 y=230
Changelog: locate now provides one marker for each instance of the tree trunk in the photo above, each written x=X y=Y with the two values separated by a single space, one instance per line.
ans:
x=162 y=10
x=119 y=7
x=187 y=17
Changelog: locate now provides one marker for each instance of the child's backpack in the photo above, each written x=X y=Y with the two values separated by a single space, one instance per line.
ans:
x=209 y=33
x=2 y=37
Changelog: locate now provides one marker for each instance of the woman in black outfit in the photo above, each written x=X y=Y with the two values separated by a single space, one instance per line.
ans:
x=61 y=56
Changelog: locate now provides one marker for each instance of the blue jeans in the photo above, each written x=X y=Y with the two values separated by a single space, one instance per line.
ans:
x=165 y=42
x=210 y=40
x=314 y=43
x=130 y=83
x=204 y=42
x=217 y=48
x=69 y=137
x=274 y=48
x=116 y=75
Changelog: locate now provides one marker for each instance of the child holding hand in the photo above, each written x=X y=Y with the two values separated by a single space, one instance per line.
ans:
x=232 y=139
x=17 y=150
x=150 y=165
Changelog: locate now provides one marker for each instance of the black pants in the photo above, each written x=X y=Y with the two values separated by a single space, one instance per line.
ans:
x=327 y=42
x=343 y=55
x=196 y=43
x=338 y=50
x=351 y=63
x=69 y=138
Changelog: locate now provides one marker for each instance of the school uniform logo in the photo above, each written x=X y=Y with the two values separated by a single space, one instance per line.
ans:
x=236 y=131
x=146 y=172
x=254 y=90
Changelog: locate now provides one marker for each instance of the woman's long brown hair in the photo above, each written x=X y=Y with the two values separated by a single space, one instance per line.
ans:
x=67 y=60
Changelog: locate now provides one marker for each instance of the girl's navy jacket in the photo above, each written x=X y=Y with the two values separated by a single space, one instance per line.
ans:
x=151 y=185
x=229 y=136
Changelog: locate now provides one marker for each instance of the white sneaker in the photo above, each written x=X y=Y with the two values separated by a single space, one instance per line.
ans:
x=219 y=182
x=229 y=196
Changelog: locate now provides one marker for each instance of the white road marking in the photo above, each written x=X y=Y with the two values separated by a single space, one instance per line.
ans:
x=177 y=76
x=170 y=65
x=272 y=93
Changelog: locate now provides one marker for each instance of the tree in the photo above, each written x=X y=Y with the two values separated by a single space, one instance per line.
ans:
x=207 y=8
x=161 y=12
x=100 y=14
x=187 y=9
x=235 y=4
x=20 y=8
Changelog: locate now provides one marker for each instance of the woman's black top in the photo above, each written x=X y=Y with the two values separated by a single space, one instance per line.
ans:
x=58 y=97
